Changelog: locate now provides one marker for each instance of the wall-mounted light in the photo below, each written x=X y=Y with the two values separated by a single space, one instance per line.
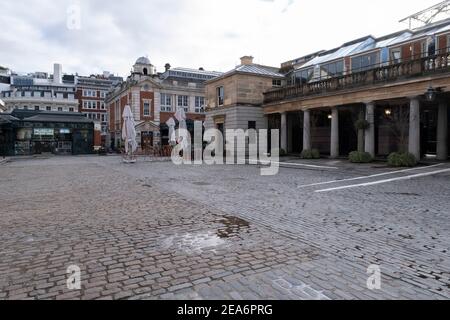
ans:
x=388 y=112
x=330 y=116
x=430 y=95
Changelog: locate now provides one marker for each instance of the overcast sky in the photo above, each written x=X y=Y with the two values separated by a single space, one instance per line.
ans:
x=186 y=33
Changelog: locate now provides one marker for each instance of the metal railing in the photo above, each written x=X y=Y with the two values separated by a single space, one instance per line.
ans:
x=410 y=68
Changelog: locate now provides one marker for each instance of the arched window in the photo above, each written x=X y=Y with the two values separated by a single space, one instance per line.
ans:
x=145 y=71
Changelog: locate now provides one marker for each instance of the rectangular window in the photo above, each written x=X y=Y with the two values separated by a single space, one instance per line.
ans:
x=36 y=108
x=276 y=83
x=71 y=109
x=365 y=62
x=332 y=69
x=396 y=56
x=252 y=125
x=199 y=104
x=220 y=96
x=146 y=109
x=183 y=101
x=49 y=108
x=166 y=102
x=60 y=109
x=304 y=76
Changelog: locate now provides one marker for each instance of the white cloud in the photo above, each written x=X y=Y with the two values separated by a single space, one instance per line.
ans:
x=193 y=33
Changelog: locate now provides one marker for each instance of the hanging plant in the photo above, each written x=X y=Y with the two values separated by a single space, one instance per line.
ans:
x=362 y=124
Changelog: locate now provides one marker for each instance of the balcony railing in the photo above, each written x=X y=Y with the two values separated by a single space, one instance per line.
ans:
x=426 y=66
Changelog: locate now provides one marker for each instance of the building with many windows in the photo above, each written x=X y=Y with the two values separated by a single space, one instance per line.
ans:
x=154 y=98
x=41 y=92
x=91 y=93
x=399 y=84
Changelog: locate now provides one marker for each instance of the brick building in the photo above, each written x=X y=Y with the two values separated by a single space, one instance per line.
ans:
x=154 y=98
x=91 y=93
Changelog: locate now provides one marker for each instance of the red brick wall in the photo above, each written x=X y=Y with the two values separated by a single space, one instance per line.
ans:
x=112 y=116
x=417 y=47
x=78 y=95
x=97 y=139
x=443 y=43
x=406 y=52
x=147 y=96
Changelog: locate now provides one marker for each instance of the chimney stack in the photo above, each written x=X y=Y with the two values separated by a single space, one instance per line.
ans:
x=247 y=60
x=57 y=73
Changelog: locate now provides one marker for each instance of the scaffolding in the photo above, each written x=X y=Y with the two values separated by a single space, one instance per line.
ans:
x=425 y=17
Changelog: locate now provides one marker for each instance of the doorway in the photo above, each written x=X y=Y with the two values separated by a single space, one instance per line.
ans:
x=428 y=131
x=146 y=140
x=348 y=135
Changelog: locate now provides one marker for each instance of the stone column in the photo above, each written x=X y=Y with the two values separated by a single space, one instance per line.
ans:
x=284 y=143
x=370 y=133
x=334 y=153
x=442 y=132
x=414 y=127
x=307 y=130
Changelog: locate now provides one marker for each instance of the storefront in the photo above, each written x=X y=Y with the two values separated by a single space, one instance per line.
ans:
x=47 y=132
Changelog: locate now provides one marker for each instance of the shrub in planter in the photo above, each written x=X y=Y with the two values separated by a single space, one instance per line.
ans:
x=310 y=154
x=360 y=157
x=402 y=159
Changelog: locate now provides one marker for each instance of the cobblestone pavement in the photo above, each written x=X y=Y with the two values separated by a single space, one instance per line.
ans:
x=157 y=231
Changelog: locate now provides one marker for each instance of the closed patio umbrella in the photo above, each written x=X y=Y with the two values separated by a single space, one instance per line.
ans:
x=129 y=131
x=171 y=124
x=181 y=117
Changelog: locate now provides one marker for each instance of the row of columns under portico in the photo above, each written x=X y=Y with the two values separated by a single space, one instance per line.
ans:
x=414 y=144
x=334 y=147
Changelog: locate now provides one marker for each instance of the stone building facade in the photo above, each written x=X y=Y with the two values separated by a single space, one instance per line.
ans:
x=398 y=83
x=234 y=100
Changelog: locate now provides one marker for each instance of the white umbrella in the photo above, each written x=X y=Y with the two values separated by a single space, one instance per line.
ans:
x=129 y=130
x=171 y=124
x=181 y=117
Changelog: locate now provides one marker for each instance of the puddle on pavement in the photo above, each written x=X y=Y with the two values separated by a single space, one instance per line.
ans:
x=233 y=226
x=193 y=242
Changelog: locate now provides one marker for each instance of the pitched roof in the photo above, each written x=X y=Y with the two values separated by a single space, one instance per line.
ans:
x=7 y=118
x=253 y=69
x=58 y=118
